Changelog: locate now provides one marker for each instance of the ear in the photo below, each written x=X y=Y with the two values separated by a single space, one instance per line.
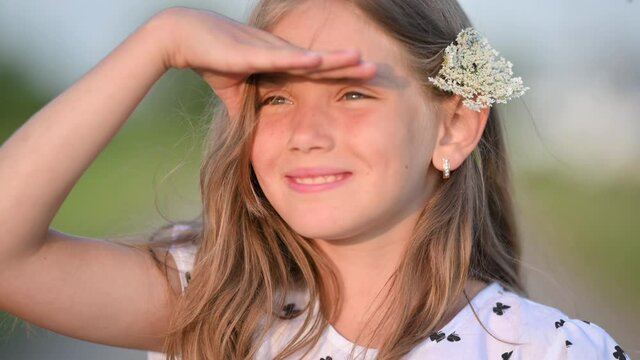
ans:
x=459 y=131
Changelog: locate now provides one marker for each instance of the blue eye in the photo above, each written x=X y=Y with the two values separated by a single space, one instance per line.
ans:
x=275 y=100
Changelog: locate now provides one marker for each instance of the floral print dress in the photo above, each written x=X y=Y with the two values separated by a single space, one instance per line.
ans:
x=505 y=326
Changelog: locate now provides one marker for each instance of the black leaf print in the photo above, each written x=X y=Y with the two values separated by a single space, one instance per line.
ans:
x=453 y=337
x=507 y=355
x=289 y=310
x=619 y=353
x=187 y=276
x=568 y=343
x=559 y=323
x=437 y=336
x=326 y=358
x=586 y=322
x=500 y=308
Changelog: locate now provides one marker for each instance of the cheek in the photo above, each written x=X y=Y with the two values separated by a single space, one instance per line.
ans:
x=269 y=146
x=420 y=138
x=260 y=154
x=421 y=130
x=265 y=144
x=398 y=138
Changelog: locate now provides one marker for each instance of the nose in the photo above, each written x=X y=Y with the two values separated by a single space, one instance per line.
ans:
x=311 y=130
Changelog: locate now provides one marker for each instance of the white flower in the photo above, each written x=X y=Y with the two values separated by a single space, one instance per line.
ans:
x=471 y=68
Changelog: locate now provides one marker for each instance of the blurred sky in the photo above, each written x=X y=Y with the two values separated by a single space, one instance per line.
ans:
x=580 y=57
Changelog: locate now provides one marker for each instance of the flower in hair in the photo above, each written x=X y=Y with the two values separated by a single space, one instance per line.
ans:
x=472 y=69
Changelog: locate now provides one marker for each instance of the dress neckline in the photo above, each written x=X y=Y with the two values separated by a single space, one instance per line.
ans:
x=461 y=317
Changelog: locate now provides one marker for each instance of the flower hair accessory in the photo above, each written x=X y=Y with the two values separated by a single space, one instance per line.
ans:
x=471 y=68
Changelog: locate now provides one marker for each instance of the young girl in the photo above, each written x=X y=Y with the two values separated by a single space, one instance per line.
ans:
x=355 y=196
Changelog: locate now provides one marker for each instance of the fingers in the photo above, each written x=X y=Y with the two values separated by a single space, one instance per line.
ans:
x=283 y=59
x=338 y=59
x=329 y=59
x=363 y=70
x=316 y=65
x=289 y=59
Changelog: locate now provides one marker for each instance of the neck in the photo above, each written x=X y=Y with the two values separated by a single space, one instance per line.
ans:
x=363 y=267
x=368 y=261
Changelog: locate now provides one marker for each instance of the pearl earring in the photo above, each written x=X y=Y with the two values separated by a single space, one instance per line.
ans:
x=446 y=171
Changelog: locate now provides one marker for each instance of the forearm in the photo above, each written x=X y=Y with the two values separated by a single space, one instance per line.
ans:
x=42 y=160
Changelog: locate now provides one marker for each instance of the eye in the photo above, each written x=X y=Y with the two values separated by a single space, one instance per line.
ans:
x=354 y=95
x=275 y=100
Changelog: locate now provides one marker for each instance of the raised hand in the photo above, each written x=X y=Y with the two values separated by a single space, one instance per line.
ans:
x=225 y=52
x=41 y=162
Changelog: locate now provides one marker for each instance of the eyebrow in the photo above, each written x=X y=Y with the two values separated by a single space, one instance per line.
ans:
x=385 y=78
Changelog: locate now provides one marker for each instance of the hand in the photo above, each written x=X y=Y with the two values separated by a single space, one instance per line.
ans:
x=225 y=52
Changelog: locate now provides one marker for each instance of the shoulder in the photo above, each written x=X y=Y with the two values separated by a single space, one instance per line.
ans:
x=544 y=332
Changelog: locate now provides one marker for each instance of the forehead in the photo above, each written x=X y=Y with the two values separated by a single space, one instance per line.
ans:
x=327 y=25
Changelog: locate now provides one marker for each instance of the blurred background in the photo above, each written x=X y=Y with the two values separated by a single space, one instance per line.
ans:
x=574 y=140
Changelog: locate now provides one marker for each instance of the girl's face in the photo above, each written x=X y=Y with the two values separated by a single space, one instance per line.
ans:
x=344 y=159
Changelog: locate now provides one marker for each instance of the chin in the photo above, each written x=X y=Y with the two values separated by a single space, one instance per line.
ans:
x=314 y=227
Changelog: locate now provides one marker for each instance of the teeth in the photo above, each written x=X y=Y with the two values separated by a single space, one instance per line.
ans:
x=318 y=179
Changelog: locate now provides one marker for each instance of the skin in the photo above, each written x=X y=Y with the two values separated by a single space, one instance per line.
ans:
x=387 y=135
x=118 y=287
x=121 y=288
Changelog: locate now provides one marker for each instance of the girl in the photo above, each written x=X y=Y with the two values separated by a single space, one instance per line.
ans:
x=355 y=196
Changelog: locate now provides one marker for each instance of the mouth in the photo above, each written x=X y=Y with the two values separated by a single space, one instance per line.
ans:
x=308 y=182
x=318 y=180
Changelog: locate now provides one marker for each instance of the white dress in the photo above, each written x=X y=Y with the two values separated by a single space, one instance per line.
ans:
x=514 y=328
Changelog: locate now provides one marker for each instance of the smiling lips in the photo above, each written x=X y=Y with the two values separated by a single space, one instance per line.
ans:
x=316 y=179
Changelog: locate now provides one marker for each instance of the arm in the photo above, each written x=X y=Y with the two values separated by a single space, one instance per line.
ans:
x=44 y=158
x=88 y=288
x=84 y=288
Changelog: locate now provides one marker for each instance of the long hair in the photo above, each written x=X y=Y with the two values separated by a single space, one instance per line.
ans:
x=249 y=259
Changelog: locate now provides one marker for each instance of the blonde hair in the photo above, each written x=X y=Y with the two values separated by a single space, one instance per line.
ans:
x=249 y=259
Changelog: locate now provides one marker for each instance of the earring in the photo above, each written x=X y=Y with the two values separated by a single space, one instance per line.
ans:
x=446 y=169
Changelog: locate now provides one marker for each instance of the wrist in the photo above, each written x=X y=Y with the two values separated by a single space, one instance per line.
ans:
x=156 y=35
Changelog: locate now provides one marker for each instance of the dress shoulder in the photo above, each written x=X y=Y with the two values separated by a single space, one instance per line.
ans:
x=184 y=254
x=544 y=332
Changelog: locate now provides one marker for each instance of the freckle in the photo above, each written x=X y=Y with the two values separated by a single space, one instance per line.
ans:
x=406 y=167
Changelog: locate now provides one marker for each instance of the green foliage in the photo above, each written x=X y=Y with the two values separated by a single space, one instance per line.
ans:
x=125 y=189
x=148 y=172
x=18 y=101
x=594 y=226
